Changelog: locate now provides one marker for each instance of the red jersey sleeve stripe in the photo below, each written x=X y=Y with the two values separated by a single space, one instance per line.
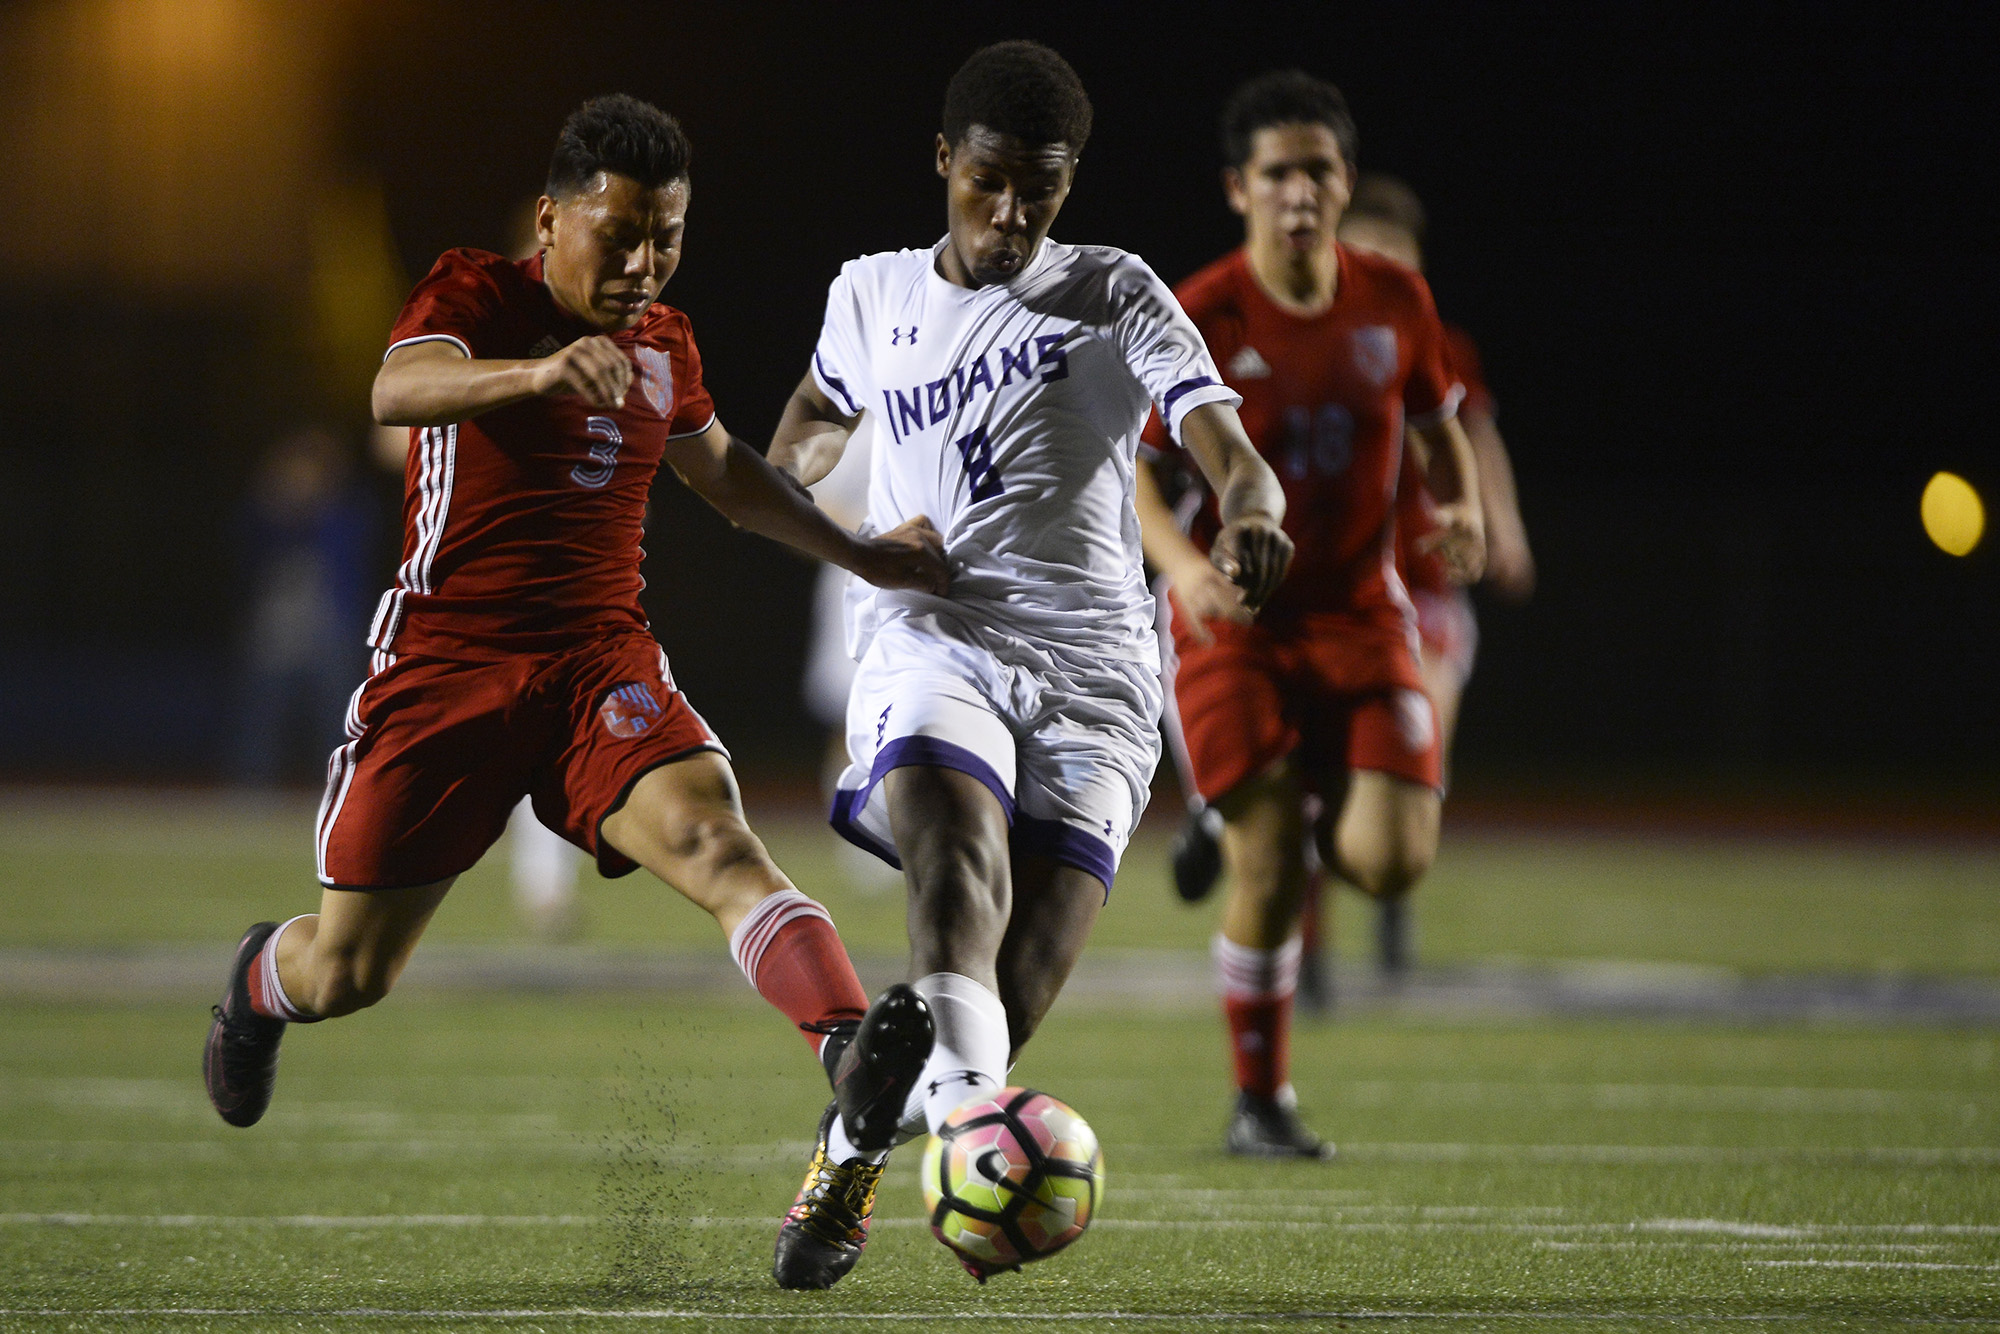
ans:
x=701 y=430
x=453 y=339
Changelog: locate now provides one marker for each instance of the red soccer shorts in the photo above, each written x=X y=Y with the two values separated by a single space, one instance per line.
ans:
x=1339 y=690
x=442 y=751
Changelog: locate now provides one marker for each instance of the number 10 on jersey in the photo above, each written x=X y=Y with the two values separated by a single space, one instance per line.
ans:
x=980 y=475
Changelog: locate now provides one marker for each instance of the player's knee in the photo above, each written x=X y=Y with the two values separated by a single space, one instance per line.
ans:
x=713 y=844
x=350 y=982
x=963 y=870
x=1392 y=868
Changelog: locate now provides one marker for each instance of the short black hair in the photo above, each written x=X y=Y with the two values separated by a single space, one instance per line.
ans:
x=1022 y=89
x=1388 y=199
x=623 y=135
x=1285 y=97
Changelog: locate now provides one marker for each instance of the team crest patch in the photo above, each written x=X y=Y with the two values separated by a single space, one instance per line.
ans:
x=630 y=710
x=656 y=376
x=1375 y=352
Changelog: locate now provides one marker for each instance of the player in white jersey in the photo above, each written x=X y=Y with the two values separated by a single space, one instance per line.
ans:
x=1003 y=737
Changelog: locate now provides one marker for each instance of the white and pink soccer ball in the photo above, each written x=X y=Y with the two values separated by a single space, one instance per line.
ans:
x=1012 y=1178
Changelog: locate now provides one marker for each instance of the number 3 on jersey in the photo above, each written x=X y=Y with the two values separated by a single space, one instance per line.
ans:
x=604 y=456
x=980 y=474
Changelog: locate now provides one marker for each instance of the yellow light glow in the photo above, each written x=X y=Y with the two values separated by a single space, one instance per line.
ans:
x=1953 y=515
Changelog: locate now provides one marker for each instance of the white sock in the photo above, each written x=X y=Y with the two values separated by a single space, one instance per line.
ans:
x=274 y=986
x=544 y=865
x=969 y=1059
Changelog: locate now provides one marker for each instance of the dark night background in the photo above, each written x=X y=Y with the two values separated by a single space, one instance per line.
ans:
x=1733 y=271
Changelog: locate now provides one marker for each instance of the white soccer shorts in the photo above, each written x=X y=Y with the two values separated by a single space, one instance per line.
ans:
x=1066 y=741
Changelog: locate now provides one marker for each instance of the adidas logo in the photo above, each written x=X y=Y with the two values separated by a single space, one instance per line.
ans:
x=1249 y=364
x=550 y=345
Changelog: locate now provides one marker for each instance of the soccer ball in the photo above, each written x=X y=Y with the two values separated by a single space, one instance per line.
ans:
x=1013 y=1178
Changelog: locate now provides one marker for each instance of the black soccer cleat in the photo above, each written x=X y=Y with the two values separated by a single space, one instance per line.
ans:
x=240 y=1063
x=1270 y=1128
x=827 y=1226
x=879 y=1066
x=1197 y=855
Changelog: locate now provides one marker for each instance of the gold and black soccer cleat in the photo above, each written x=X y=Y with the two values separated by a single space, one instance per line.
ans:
x=827 y=1226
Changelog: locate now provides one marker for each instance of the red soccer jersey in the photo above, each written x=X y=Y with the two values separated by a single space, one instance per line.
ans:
x=1426 y=571
x=521 y=527
x=1325 y=400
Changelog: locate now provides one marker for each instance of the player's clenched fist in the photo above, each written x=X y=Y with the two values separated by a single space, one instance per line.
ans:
x=1459 y=539
x=593 y=369
x=1254 y=553
x=910 y=555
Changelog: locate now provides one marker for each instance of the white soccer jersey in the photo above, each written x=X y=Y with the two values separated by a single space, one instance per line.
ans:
x=1010 y=415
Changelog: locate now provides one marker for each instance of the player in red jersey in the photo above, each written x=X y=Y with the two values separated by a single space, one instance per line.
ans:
x=1386 y=218
x=512 y=657
x=1335 y=352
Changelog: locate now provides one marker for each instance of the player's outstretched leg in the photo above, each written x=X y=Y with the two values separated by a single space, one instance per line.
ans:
x=315 y=966
x=873 y=1065
x=684 y=822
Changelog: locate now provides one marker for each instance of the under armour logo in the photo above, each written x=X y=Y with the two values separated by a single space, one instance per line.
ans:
x=896 y=335
x=1107 y=829
x=882 y=725
x=971 y=1077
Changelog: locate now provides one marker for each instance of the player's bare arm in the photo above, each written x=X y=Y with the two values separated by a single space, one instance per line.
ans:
x=749 y=491
x=1205 y=593
x=812 y=434
x=1510 y=563
x=1252 y=549
x=435 y=383
x=1453 y=477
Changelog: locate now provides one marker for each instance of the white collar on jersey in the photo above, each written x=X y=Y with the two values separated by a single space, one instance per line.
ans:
x=1043 y=256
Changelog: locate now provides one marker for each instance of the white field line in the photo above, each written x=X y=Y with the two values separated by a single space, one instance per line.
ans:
x=582 y=1147
x=1865 y=1264
x=1759 y=1232
x=126 y=1092
x=1643 y=1154
x=983 y=1317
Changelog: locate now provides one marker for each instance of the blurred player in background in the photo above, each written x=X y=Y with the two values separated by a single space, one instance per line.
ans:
x=1386 y=218
x=1003 y=738
x=1334 y=352
x=512 y=657
x=306 y=534
x=829 y=667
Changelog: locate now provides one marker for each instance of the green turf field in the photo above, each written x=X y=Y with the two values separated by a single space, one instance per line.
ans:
x=567 y=1157
x=595 y=1160
x=85 y=872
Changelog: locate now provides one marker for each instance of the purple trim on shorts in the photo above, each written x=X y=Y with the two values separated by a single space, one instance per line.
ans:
x=846 y=806
x=900 y=754
x=934 y=752
x=1068 y=845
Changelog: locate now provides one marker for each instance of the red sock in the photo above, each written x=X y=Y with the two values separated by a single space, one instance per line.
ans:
x=1260 y=1042
x=789 y=950
x=1257 y=990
